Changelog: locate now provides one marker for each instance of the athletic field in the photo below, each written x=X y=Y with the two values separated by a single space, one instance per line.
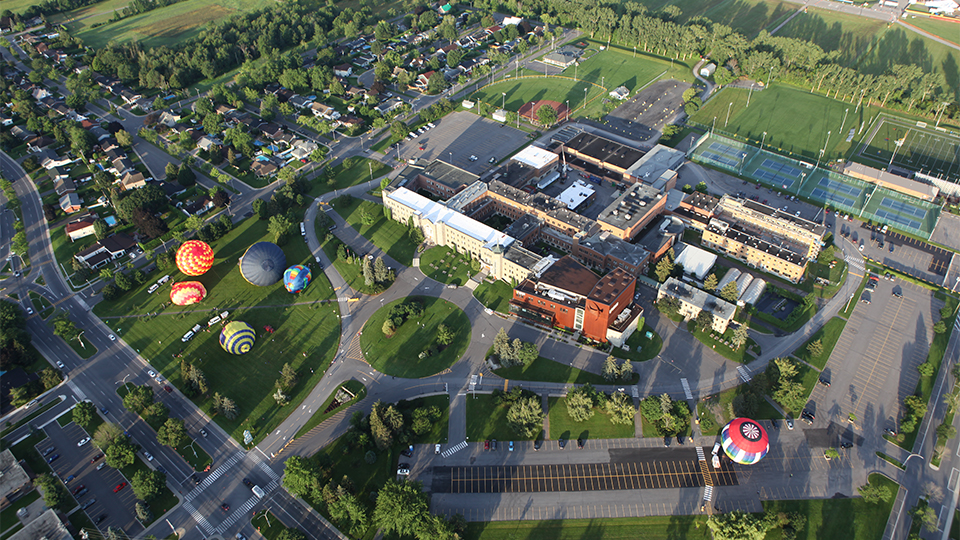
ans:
x=536 y=87
x=797 y=122
x=914 y=146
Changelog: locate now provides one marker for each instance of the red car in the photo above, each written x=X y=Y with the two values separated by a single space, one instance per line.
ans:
x=120 y=486
x=168 y=389
x=486 y=444
x=78 y=488
x=96 y=457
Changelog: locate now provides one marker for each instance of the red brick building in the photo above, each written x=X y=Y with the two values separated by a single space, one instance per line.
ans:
x=569 y=295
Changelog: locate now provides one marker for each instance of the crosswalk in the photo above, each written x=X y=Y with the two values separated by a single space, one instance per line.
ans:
x=454 y=449
x=237 y=514
x=256 y=458
x=83 y=397
x=855 y=265
x=216 y=473
x=198 y=517
x=635 y=392
x=686 y=388
x=343 y=299
x=708 y=494
x=700 y=455
x=744 y=374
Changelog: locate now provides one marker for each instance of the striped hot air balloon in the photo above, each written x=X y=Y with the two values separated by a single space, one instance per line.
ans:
x=237 y=337
x=745 y=441
x=296 y=278
x=185 y=293
x=194 y=257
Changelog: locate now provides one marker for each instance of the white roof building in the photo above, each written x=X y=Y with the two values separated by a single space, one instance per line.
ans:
x=535 y=157
x=743 y=282
x=753 y=292
x=695 y=261
x=728 y=278
x=436 y=212
x=576 y=194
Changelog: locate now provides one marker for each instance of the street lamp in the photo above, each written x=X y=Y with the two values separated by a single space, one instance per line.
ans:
x=728 y=116
x=585 y=97
x=763 y=139
x=503 y=100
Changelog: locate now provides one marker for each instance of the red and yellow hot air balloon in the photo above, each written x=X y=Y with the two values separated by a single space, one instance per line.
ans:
x=185 y=293
x=194 y=257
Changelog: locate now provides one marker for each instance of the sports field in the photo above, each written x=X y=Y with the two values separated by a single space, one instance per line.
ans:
x=943 y=29
x=531 y=88
x=306 y=331
x=795 y=120
x=165 y=26
x=847 y=34
x=921 y=148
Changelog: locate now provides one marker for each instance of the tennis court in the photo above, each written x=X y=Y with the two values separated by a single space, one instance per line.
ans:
x=902 y=212
x=915 y=146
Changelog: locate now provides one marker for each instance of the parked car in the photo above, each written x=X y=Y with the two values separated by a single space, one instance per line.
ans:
x=436 y=449
x=147 y=455
x=511 y=446
x=49 y=450
x=101 y=465
x=83 y=441
x=80 y=493
x=407 y=452
x=69 y=478
x=53 y=458
x=120 y=486
x=101 y=518
x=88 y=504
x=403 y=469
x=824 y=381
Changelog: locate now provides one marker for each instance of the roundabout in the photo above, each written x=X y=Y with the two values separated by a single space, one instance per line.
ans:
x=417 y=346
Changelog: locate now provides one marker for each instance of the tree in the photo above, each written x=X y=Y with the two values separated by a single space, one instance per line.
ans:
x=185 y=176
x=946 y=431
x=50 y=488
x=874 y=494
x=288 y=376
x=710 y=284
x=148 y=223
x=300 y=476
x=106 y=435
x=291 y=534
x=626 y=370
x=172 y=433
x=100 y=229
x=926 y=369
x=147 y=484
x=454 y=57
x=738 y=525
x=380 y=272
x=444 y=335
x=120 y=454
x=436 y=83
x=388 y=328
x=701 y=187
x=221 y=199
x=729 y=292
x=664 y=269
x=385 y=423
x=138 y=398
x=740 y=336
x=124 y=138
x=704 y=320
x=525 y=416
x=546 y=115
x=401 y=506
x=143 y=511
x=579 y=405
x=621 y=409
x=367 y=269
x=366 y=217
x=279 y=227
x=927 y=517
x=815 y=348
x=64 y=327
x=610 y=371
x=228 y=408
x=83 y=413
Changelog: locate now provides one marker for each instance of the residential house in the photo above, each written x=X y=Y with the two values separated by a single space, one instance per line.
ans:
x=353 y=91
x=343 y=70
x=52 y=161
x=64 y=186
x=388 y=106
x=301 y=102
x=39 y=93
x=80 y=229
x=70 y=203
x=350 y=121
x=133 y=180
x=109 y=249
x=169 y=119
x=284 y=95
x=6 y=24
x=445 y=50
x=57 y=174
x=170 y=189
x=99 y=133
x=423 y=80
x=324 y=111
x=127 y=95
x=207 y=142
x=21 y=133
x=451 y=74
x=6 y=120
x=197 y=205
x=121 y=166
x=303 y=149
x=224 y=109
x=38 y=143
x=270 y=130
x=264 y=169
x=620 y=93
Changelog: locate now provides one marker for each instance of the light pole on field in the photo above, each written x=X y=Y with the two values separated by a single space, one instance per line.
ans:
x=714 y=125
x=584 y=97
x=728 y=115
x=503 y=100
x=763 y=139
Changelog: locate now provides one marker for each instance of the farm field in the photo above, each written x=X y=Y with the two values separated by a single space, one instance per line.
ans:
x=306 y=331
x=833 y=31
x=165 y=26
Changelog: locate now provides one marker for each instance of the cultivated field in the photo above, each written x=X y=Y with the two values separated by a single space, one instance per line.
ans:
x=165 y=26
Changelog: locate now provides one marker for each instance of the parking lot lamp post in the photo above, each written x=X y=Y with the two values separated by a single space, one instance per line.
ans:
x=568 y=110
x=503 y=100
x=714 y=125
x=742 y=156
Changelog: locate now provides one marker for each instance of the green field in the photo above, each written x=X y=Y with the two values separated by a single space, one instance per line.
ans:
x=445 y=265
x=546 y=370
x=745 y=16
x=344 y=177
x=487 y=420
x=82 y=18
x=849 y=35
x=647 y=528
x=351 y=273
x=947 y=30
x=18 y=6
x=641 y=348
x=386 y=234
x=495 y=295
x=902 y=46
x=398 y=355
x=795 y=120
x=532 y=88
x=828 y=335
x=598 y=427
x=306 y=332
x=165 y=26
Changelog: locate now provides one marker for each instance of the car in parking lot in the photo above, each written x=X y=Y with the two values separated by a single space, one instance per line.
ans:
x=49 y=450
x=80 y=493
x=865 y=297
x=88 y=504
x=562 y=443
x=890 y=432
x=891 y=248
x=846 y=444
x=120 y=486
x=69 y=478
x=147 y=455
x=824 y=381
x=77 y=489
x=96 y=457
x=436 y=449
x=403 y=469
x=473 y=158
x=407 y=452
x=101 y=465
x=510 y=446
x=492 y=160
x=493 y=444
x=789 y=423
x=486 y=444
x=53 y=458
x=83 y=441
x=101 y=518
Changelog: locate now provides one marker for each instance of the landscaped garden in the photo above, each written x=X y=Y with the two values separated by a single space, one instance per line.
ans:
x=415 y=337
x=445 y=265
x=598 y=426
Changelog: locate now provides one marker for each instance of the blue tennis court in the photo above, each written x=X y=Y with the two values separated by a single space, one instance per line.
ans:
x=774 y=178
x=722 y=159
x=903 y=208
x=725 y=149
x=897 y=218
x=781 y=167
x=840 y=187
x=832 y=197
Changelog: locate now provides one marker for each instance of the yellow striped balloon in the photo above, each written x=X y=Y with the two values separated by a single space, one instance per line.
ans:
x=185 y=293
x=194 y=257
x=237 y=337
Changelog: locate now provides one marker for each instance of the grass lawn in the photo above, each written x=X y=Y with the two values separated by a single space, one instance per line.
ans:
x=398 y=355
x=807 y=376
x=194 y=455
x=855 y=301
x=64 y=249
x=598 y=427
x=42 y=304
x=166 y=26
x=795 y=120
x=445 y=265
x=943 y=29
x=9 y=514
x=486 y=420
x=837 y=275
x=350 y=272
x=848 y=34
x=438 y=432
x=495 y=295
x=898 y=44
x=709 y=425
x=641 y=348
x=268 y=525
x=345 y=177
x=718 y=409
x=838 y=519
x=647 y=528
x=82 y=347
x=386 y=234
x=739 y=355
x=306 y=332
x=546 y=370
x=356 y=387
x=828 y=334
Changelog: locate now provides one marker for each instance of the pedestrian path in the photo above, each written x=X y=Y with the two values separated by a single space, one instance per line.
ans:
x=744 y=374
x=216 y=473
x=198 y=517
x=454 y=449
x=238 y=513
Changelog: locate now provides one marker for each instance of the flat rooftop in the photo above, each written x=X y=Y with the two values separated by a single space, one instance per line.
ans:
x=696 y=297
x=863 y=172
x=576 y=194
x=567 y=274
x=448 y=175
x=654 y=163
x=604 y=150
x=611 y=286
x=437 y=213
x=736 y=233
x=535 y=157
x=630 y=207
x=701 y=201
x=608 y=245
x=776 y=213
x=543 y=203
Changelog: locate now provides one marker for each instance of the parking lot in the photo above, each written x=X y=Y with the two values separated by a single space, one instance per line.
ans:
x=460 y=135
x=118 y=508
x=874 y=364
x=910 y=256
x=643 y=115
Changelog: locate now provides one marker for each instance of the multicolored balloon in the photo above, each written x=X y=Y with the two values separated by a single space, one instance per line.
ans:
x=296 y=278
x=262 y=264
x=237 y=337
x=744 y=441
x=194 y=257
x=185 y=293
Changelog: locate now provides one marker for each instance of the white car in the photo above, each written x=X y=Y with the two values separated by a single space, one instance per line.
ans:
x=29 y=311
x=83 y=441
x=147 y=455
x=60 y=364
x=112 y=337
x=159 y=379
x=101 y=465
x=436 y=449
x=151 y=373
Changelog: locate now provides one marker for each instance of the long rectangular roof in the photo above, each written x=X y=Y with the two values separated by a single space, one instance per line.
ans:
x=436 y=213
x=535 y=157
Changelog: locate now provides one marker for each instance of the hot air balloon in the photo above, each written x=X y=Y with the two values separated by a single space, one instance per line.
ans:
x=296 y=278
x=262 y=264
x=237 y=337
x=744 y=441
x=194 y=258
x=185 y=293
